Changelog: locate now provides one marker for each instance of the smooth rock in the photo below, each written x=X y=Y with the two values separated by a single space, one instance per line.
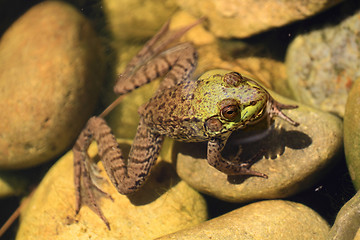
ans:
x=323 y=64
x=295 y=157
x=347 y=222
x=136 y=19
x=12 y=184
x=352 y=134
x=51 y=69
x=274 y=219
x=357 y=236
x=165 y=204
x=243 y=18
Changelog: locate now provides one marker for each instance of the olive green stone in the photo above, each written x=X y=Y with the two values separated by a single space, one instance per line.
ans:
x=12 y=184
x=352 y=133
x=347 y=222
x=136 y=19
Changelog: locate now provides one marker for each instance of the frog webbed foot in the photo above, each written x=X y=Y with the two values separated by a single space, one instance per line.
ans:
x=216 y=160
x=249 y=162
x=87 y=176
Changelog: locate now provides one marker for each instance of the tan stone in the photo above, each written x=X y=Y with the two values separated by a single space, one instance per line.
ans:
x=51 y=69
x=275 y=219
x=164 y=205
x=243 y=18
x=137 y=19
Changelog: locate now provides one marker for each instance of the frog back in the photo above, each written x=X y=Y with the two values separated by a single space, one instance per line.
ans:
x=171 y=112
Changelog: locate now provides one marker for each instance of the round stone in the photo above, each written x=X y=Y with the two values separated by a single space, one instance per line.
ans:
x=273 y=219
x=51 y=69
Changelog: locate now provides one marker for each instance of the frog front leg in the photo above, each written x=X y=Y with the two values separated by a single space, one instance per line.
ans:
x=126 y=176
x=215 y=159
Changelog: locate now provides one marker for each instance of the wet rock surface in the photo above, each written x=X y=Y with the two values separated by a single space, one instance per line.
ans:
x=240 y=19
x=273 y=219
x=51 y=67
x=347 y=222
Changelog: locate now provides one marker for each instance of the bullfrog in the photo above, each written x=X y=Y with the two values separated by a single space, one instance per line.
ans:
x=209 y=108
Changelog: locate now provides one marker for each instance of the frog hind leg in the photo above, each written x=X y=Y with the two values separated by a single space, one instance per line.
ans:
x=154 y=61
x=126 y=177
x=215 y=159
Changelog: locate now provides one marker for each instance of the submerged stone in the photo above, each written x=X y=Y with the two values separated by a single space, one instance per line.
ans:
x=273 y=219
x=51 y=69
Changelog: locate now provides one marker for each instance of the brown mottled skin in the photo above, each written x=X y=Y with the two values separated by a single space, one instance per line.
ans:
x=207 y=109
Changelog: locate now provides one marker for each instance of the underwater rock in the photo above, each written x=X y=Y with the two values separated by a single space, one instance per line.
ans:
x=165 y=204
x=352 y=134
x=347 y=222
x=12 y=184
x=134 y=20
x=51 y=69
x=323 y=64
x=295 y=157
x=273 y=219
x=243 y=18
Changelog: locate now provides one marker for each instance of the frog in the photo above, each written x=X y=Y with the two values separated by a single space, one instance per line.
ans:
x=207 y=109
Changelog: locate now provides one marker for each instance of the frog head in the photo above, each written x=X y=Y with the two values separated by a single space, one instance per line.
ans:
x=228 y=101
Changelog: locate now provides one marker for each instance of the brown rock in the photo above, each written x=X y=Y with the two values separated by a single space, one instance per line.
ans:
x=51 y=68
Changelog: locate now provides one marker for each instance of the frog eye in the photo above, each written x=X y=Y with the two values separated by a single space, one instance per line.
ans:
x=230 y=112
